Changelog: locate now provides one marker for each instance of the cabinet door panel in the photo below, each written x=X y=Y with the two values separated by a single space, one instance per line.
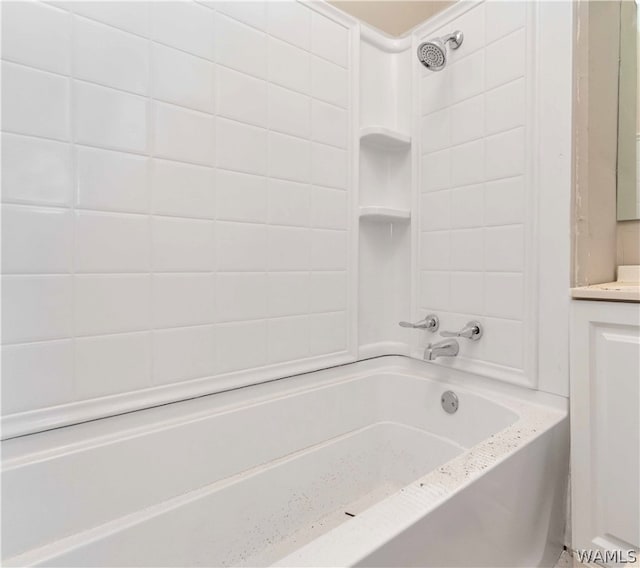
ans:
x=616 y=426
x=605 y=425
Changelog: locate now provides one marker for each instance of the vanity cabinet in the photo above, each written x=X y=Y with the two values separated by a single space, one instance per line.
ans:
x=605 y=427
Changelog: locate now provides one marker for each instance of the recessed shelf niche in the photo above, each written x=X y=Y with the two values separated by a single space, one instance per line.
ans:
x=385 y=172
x=384 y=212
x=385 y=138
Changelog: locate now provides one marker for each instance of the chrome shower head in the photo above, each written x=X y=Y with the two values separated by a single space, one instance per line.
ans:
x=433 y=54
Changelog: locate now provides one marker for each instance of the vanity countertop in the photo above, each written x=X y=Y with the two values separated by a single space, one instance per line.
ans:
x=625 y=289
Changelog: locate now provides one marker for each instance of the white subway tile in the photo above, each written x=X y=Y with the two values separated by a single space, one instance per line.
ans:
x=289 y=203
x=329 y=208
x=241 y=296
x=467 y=293
x=329 y=39
x=468 y=163
x=504 y=201
x=183 y=299
x=327 y=333
x=35 y=102
x=504 y=342
x=182 y=245
x=505 y=107
x=288 y=248
x=129 y=16
x=435 y=212
x=288 y=293
x=61 y=4
x=467 y=120
x=289 y=66
x=182 y=79
x=36 y=308
x=329 y=124
x=37 y=35
x=506 y=59
x=183 y=190
x=328 y=291
x=467 y=250
x=36 y=240
x=505 y=154
x=37 y=375
x=108 y=118
x=472 y=23
x=111 y=364
x=467 y=206
x=435 y=250
x=36 y=171
x=467 y=77
x=105 y=55
x=182 y=134
x=435 y=289
x=289 y=112
x=290 y=21
x=328 y=250
x=107 y=242
x=288 y=339
x=504 y=295
x=111 y=304
x=289 y=158
x=241 y=197
x=329 y=166
x=185 y=25
x=241 y=345
x=240 y=47
x=184 y=353
x=436 y=171
x=504 y=18
x=241 y=247
x=241 y=148
x=242 y=97
x=329 y=82
x=435 y=92
x=112 y=181
x=436 y=131
x=251 y=13
x=504 y=248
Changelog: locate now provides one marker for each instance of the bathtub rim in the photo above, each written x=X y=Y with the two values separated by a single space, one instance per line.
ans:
x=41 y=445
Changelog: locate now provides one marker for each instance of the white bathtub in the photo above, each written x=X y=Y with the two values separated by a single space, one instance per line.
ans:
x=353 y=466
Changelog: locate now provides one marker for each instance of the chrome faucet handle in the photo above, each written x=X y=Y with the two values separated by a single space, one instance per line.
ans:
x=431 y=323
x=472 y=331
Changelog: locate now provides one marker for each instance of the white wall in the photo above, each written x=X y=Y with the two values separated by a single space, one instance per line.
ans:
x=175 y=201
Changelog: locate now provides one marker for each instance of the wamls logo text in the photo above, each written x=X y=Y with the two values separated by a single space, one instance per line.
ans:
x=606 y=556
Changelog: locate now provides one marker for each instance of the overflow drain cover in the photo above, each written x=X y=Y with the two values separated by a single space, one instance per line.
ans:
x=449 y=401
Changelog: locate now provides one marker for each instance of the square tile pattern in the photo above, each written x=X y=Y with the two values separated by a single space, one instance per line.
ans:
x=174 y=193
x=473 y=183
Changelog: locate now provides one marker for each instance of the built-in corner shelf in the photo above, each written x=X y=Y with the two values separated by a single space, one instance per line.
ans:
x=384 y=138
x=379 y=213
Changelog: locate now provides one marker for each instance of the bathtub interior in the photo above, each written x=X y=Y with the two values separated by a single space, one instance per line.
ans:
x=219 y=487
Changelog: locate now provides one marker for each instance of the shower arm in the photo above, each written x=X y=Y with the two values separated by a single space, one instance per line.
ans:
x=455 y=39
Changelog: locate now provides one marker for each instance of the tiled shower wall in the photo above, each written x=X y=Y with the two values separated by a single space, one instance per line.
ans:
x=474 y=220
x=175 y=180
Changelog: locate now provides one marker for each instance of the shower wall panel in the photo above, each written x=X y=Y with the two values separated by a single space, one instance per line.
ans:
x=484 y=177
x=176 y=180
